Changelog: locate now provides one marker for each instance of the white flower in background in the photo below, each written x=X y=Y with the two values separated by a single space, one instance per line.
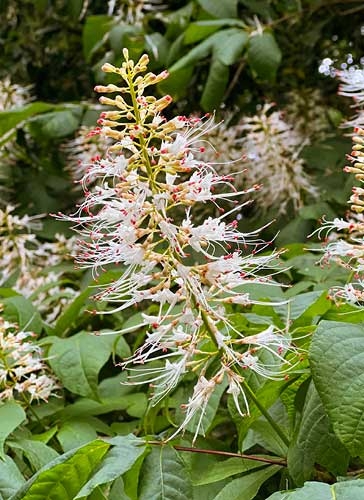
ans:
x=264 y=151
x=83 y=151
x=132 y=11
x=13 y=96
x=273 y=147
x=24 y=375
x=27 y=264
x=141 y=213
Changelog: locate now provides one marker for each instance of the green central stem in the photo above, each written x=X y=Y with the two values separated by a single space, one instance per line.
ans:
x=139 y=122
x=266 y=414
x=246 y=387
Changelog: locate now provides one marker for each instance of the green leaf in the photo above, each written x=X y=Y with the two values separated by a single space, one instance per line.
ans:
x=77 y=361
x=220 y=9
x=11 y=416
x=164 y=476
x=113 y=396
x=346 y=490
x=118 y=35
x=122 y=456
x=305 y=307
x=58 y=123
x=68 y=317
x=74 y=433
x=94 y=30
x=264 y=56
x=229 y=48
x=261 y=433
x=248 y=485
x=158 y=45
x=63 y=478
x=37 y=453
x=337 y=362
x=202 y=29
x=224 y=469
x=315 y=442
x=215 y=86
x=201 y=51
x=10 y=477
x=9 y=120
x=21 y=311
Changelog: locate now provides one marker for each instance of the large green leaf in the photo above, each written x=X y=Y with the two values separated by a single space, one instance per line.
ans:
x=246 y=487
x=315 y=442
x=64 y=477
x=346 y=490
x=122 y=456
x=164 y=476
x=11 y=416
x=264 y=55
x=77 y=361
x=11 y=478
x=337 y=361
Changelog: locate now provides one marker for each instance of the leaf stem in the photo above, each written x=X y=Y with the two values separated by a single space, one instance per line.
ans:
x=266 y=414
x=255 y=458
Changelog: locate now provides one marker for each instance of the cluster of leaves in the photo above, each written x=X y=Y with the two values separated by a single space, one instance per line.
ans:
x=82 y=443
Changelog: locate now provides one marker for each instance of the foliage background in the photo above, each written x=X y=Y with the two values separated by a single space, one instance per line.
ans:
x=223 y=56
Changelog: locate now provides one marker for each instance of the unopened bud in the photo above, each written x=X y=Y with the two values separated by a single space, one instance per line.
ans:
x=109 y=68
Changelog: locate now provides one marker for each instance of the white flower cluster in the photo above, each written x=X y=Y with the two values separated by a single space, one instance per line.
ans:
x=273 y=148
x=24 y=376
x=346 y=245
x=132 y=11
x=271 y=160
x=139 y=214
x=28 y=264
x=352 y=85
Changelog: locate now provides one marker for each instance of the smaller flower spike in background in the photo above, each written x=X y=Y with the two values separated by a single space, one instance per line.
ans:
x=139 y=212
x=23 y=373
x=345 y=244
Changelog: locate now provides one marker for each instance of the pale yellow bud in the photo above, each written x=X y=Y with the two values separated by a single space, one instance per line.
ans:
x=109 y=68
